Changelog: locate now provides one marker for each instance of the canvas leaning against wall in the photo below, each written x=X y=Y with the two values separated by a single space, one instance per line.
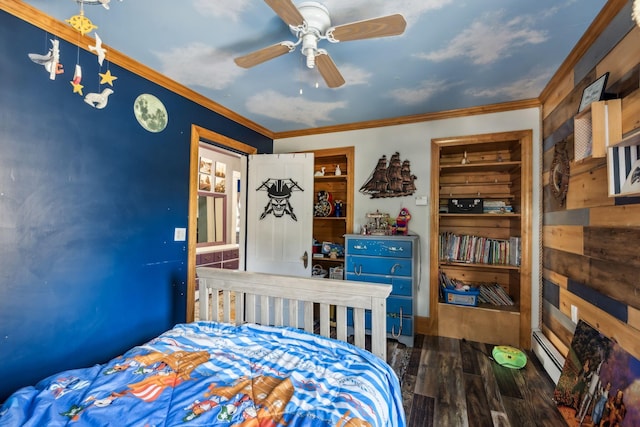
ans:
x=600 y=382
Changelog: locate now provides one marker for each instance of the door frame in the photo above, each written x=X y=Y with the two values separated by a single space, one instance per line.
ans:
x=201 y=134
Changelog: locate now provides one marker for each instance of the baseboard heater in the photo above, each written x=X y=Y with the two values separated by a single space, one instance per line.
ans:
x=549 y=356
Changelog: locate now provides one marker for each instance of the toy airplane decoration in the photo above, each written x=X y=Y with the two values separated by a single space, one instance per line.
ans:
x=50 y=61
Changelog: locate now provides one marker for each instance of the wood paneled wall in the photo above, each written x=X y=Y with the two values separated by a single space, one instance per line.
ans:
x=590 y=257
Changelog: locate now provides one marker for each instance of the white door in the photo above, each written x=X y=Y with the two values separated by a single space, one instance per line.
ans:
x=280 y=213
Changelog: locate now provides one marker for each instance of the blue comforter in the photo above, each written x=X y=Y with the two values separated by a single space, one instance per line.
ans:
x=207 y=373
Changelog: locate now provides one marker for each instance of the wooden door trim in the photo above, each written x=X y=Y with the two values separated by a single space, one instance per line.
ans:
x=201 y=134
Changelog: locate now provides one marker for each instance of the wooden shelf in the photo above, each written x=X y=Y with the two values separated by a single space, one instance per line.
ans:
x=481 y=167
x=503 y=308
x=331 y=218
x=342 y=177
x=482 y=215
x=327 y=259
x=595 y=128
x=474 y=196
x=478 y=265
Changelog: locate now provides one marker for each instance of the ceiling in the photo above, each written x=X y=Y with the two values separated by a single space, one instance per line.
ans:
x=453 y=54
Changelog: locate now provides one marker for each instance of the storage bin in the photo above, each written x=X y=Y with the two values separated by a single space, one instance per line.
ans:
x=468 y=298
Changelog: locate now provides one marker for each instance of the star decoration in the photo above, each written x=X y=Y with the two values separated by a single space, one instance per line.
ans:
x=77 y=87
x=107 y=78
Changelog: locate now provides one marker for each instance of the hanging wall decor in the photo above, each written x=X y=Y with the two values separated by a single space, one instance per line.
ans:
x=150 y=113
x=83 y=25
x=279 y=192
x=559 y=175
x=51 y=60
x=390 y=180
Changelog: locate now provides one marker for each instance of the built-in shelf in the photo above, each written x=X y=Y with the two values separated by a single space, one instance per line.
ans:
x=333 y=228
x=488 y=167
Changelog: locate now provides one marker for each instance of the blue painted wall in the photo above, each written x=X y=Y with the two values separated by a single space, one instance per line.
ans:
x=88 y=205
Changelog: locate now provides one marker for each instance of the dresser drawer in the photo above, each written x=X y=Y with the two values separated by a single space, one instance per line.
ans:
x=401 y=285
x=393 y=323
x=373 y=265
x=384 y=248
x=394 y=305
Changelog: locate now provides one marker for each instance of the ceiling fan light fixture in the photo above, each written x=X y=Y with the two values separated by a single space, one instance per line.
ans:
x=309 y=49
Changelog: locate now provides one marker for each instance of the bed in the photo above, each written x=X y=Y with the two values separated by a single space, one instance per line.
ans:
x=253 y=359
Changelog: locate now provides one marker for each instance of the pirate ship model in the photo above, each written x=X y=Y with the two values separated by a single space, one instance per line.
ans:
x=390 y=180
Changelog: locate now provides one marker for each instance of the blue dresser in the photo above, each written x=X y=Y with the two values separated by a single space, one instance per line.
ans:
x=391 y=260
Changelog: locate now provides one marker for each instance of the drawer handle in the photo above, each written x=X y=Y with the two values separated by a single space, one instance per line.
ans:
x=393 y=269
x=396 y=248
x=363 y=247
x=393 y=328
x=357 y=269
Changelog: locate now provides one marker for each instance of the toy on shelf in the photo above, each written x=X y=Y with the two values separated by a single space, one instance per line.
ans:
x=402 y=222
x=379 y=224
x=324 y=207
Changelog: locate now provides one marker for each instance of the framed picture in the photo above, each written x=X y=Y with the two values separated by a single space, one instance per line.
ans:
x=221 y=170
x=597 y=383
x=593 y=92
x=220 y=185
x=205 y=165
x=205 y=182
x=623 y=168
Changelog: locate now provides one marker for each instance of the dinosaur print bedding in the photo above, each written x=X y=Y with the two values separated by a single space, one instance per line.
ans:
x=207 y=373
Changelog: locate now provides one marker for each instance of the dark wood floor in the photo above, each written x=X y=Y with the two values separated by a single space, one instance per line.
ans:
x=450 y=382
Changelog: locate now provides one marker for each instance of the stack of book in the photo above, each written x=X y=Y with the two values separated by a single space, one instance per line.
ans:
x=494 y=294
x=496 y=206
x=479 y=250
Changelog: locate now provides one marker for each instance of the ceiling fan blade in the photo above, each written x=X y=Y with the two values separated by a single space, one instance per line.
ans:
x=328 y=70
x=259 y=56
x=287 y=11
x=385 y=26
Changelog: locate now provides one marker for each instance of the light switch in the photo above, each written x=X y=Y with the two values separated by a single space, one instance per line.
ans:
x=180 y=234
x=421 y=200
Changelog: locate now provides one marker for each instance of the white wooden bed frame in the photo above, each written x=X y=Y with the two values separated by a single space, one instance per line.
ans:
x=267 y=293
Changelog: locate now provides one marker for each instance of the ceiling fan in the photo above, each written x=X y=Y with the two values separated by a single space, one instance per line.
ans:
x=310 y=23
